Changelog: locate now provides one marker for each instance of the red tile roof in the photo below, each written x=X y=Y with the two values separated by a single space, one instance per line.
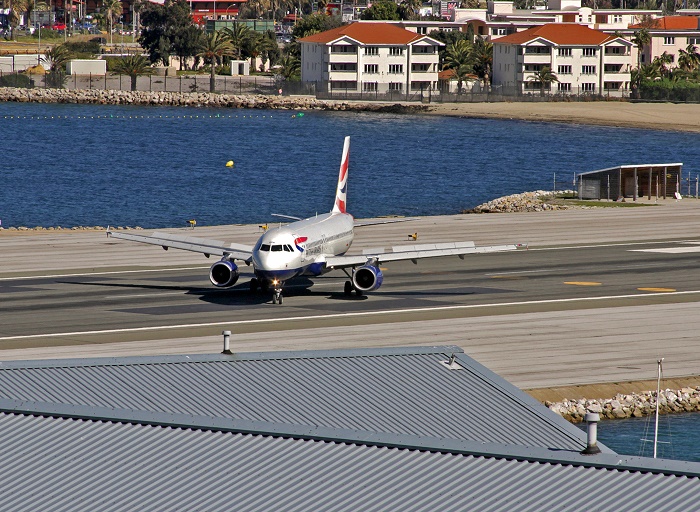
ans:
x=559 y=33
x=366 y=33
x=672 y=23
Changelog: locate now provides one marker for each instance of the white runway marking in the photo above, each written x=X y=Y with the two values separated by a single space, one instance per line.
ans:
x=345 y=315
x=84 y=274
x=671 y=250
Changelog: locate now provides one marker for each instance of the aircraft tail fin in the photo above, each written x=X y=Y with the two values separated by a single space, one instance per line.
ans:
x=341 y=191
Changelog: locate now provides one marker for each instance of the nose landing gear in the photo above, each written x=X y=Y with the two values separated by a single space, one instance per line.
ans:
x=277 y=296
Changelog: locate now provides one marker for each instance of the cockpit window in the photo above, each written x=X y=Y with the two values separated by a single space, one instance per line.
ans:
x=288 y=248
x=265 y=247
x=276 y=248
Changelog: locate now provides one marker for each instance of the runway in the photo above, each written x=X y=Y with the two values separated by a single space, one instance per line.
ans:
x=569 y=310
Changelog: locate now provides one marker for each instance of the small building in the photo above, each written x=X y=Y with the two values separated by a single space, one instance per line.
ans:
x=86 y=67
x=669 y=35
x=631 y=181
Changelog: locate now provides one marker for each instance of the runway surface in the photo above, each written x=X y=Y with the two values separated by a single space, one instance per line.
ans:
x=596 y=297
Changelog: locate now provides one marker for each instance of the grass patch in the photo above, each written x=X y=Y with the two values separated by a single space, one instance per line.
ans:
x=598 y=204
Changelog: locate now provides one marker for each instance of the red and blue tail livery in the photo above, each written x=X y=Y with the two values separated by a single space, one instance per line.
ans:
x=342 y=190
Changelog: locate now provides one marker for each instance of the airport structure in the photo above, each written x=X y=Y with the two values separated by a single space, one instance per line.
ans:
x=632 y=181
x=371 y=429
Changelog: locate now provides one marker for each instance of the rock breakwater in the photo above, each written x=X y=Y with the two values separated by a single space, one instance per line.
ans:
x=634 y=405
x=196 y=99
x=526 y=202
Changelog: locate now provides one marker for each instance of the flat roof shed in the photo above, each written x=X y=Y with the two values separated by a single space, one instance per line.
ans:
x=633 y=181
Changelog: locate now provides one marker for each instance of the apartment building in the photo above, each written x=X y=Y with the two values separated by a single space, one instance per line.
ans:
x=669 y=34
x=584 y=60
x=370 y=57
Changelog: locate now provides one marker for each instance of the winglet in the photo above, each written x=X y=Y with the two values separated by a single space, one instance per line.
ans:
x=341 y=191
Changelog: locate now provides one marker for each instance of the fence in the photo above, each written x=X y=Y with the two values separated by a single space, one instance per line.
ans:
x=182 y=83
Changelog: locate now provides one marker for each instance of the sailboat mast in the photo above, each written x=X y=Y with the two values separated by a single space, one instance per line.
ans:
x=658 y=386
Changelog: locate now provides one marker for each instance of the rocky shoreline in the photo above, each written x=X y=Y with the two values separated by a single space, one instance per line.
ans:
x=634 y=405
x=526 y=202
x=197 y=99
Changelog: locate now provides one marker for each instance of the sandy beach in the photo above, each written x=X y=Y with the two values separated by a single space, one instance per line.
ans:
x=658 y=116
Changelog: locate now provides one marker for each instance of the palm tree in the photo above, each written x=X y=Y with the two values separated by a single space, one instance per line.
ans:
x=544 y=77
x=213 y=47
x=689 y=59
x=662 y=63
x=458 y=57
x=238 y=35
x=482 y=59
x=134 y=66
x=289 y=67
x=258 y=44
x=112 y=10
x=57 y=57
x=640 y=39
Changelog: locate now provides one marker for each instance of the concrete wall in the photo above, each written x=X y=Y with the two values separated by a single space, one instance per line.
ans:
x=86 y=67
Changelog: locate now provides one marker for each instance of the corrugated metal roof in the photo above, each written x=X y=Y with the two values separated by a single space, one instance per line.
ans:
x=54 y=463
x=391 y=391
x=632 y=167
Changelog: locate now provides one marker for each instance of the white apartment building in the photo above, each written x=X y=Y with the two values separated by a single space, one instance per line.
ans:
x=370 y=57
x=584 y=60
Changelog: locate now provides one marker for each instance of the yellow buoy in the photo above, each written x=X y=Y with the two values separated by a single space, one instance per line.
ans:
x=229 y=163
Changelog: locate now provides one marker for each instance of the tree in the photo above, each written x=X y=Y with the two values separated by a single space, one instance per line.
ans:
x=482 y=59
x=56 y=58
x=161 y=25
x=258 y=44
x=113 y=9
x=185 y=43
x=214 y=47
x=238 y=36
x=382 y=10
x=640 y=39
x=314 y=23
x=544 y=77
x=289 y=67
x=134 y=66
x=689 y=59
x=458 y=58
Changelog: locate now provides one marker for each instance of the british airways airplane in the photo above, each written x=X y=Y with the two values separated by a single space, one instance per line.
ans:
x=308 y=247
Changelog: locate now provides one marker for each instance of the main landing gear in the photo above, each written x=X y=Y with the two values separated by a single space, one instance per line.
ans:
x=349 y=288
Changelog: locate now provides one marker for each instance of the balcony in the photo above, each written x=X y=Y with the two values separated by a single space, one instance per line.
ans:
x=342 y=57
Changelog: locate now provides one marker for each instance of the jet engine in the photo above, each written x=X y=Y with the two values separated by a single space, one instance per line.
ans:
x=223 y=274
x=367 y=278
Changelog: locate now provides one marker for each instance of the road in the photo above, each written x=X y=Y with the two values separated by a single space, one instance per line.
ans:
x=596 y=298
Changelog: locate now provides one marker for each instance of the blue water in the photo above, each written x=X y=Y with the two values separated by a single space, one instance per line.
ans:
x=678 y=436
x=72 y=165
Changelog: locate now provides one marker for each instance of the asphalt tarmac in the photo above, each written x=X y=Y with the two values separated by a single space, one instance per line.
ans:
x=596 y=297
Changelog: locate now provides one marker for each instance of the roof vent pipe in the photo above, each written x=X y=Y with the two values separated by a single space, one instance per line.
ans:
x=592 y=443
x=227 y=342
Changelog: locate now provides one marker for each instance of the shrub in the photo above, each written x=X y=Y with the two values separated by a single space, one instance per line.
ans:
x=16 y=80
x=84 y=47
x=666 y=90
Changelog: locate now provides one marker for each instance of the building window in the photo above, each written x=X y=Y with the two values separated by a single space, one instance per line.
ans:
x=422 y=30
x=612 y=86
x=395 y=86
x=616 y=18
x=564 y=87
x=565 y=52
x=343 y=48
x=499 y=31
x=395 y=69
x=339 y=66
x=371 y=69
x=423 y=49
x=537 y=49
x=420 y=68
x=613 y=68
x=533 y=68
x=588 y=87
x=694 y=40
x=564 y=70
x=590 y=52
x=371 y=50
x=343 y=84
x=369 y=86
x=669 y=40
x=396 y=51
x=420 y=86
x=588 y=70
x=615 y=50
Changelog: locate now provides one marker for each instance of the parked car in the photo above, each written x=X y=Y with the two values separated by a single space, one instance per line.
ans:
x=58 y=26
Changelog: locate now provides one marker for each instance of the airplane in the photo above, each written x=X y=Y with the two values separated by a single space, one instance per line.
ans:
x=309 y=247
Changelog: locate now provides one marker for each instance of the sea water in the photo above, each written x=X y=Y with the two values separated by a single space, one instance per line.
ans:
x=73 y=165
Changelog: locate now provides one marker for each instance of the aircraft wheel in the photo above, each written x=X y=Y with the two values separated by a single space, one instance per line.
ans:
x=348 y=288
x=254 y=285
x=277 y=297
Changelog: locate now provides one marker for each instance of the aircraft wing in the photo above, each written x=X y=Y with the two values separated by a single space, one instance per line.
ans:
x=189 y=243
x=414 y=253
x=375 y=222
